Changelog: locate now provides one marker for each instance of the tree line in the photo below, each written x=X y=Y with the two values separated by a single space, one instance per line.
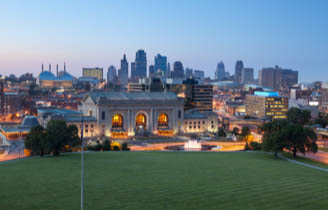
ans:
x=293 y=134
x=53 y=139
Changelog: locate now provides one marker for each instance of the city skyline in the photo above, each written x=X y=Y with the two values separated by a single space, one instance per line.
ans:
x=199 y=34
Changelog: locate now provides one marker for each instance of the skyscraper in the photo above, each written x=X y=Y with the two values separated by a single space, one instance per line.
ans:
x=141 y=64
x=177 y=70
x=123 y=73
x=199 y=74
x=220 y=71
x=168 y=71
x=278 y=78
x=151 y=71
x=160 y=64
x=111 y=75
x=238 y=70
x=188 y=73
x=134 y=76
x=247 y=75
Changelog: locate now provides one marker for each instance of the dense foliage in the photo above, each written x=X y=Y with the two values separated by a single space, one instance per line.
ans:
x=53 y=139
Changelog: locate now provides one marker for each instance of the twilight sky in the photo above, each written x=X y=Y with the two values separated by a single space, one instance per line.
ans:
x=289 y=33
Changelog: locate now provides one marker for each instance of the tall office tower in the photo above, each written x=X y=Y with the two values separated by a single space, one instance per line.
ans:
x=141 y=64
x=270 y=77
x=247 y=75
x=288 y=78
x=111 y=75
x=151 y=71
x=123 y=73
x=189 y=73
x=220 y=71
x=168 y=71
x=134 y=76
x=197 y=96
x=93 y=72
x=177 y=70
x=238 y=70
x=160 y=64
x=198 y=74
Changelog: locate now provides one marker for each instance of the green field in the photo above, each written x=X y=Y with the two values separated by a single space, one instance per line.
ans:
x=162 y=180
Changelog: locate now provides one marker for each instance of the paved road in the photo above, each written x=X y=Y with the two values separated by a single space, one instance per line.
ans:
x=319 y=156
x=14 y=152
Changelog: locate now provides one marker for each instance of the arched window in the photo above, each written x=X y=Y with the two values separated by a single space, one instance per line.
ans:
x=163 y=120
x=141 y=120
x=117 y=121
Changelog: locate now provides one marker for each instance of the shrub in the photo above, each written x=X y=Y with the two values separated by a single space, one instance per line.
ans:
x=106 y=145
x=116 y=148
x=255 y=145
x=125 y=147
x=95 y=147
x=247 y=146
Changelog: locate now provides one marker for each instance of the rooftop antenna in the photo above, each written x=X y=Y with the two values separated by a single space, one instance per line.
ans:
x=50 y=67
x=42 y=67
x=64 y=66
x=57 y=70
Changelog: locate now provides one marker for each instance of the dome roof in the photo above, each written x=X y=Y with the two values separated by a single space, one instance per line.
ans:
x=47 y=75
x=65 y=76
x=30 y=121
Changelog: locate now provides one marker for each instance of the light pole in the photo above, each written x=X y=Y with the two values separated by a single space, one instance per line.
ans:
x=82 y=165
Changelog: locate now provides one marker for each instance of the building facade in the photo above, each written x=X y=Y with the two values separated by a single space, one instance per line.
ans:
x=111 y=75
x=238 y=70
x=160 y=64
x=200 y=122
x=266 y=105
x=220 y=71
x=177 y=70
x=121 y=114
x=247 y=75
x=141 y=64
x=93 y=72
x=123 y=73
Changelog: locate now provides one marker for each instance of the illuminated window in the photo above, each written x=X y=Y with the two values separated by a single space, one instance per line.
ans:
x=163 y=120
x=141 y=120
x=117 y=121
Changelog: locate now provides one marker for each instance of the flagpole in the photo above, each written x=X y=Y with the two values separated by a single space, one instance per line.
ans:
x=82 y=165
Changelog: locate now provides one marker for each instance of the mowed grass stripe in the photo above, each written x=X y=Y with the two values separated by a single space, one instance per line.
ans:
x=162 y=180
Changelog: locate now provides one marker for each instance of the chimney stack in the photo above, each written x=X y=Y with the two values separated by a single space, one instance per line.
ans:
x=57 y=70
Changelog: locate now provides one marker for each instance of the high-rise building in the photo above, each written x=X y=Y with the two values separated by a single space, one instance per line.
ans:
x=161 y=64
x=177 y=70
x=288 y=78
x=198 y=74
x=151 y=71
x=141 y=64
x=123 y=73
x=247 y=75
x=93 y=72
x=277 y=78
x=197 y=96
x=111 y=75
x=266 y=105
x=189 y=73
x=238 y=70
x=168 y=70
x=134 y=76
x=220 y=71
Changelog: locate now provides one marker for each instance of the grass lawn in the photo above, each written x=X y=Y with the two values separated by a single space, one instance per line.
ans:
x=162 y=180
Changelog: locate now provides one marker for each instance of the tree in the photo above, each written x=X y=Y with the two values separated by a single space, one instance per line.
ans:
x=272 y=137
x=35 y=141
x=298 y=116
x=221 y=133
x=299 y=139
x=245 y=131
x=283 y=134
x=106 y=145
x=58 y=135
x=235 y=131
